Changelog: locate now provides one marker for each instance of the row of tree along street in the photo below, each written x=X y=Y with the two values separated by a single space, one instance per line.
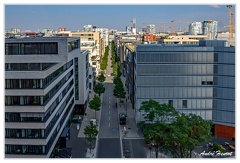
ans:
x=118 y=90
x=91 y=131
x=172 y=132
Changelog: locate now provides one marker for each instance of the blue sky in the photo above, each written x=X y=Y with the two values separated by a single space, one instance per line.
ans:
x=74 y=16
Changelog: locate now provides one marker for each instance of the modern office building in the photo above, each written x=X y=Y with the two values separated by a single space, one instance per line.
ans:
x=46 y=83
x=197 y=79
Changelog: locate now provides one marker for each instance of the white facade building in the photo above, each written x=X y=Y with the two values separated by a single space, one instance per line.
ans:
x=46 y=83
x=103 y=34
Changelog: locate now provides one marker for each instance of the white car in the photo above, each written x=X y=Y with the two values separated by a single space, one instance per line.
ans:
x=109 y=74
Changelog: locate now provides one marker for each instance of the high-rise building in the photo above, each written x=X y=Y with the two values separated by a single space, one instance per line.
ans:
x=151 y=28
x=209 y=28
x=87 y=28
x=46 y=84
x=197 y=79
x=134 y=27
x=195 y=28
x=128 y=29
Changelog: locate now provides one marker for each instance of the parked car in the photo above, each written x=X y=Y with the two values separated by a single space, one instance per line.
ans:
x=122 y=118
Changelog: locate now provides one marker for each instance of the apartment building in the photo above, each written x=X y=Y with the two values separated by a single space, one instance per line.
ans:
x=197 y=79
x=195 y=28
x=46 y=83
x=209 y=28
x=90 y=36
x=182 y=39
x=94 y=60
x=103 y=35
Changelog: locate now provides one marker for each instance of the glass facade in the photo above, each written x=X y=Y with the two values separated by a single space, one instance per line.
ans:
x=76 y=78
x=31 y=48
x=28 y=66
x=73 y=45
x=194 y=79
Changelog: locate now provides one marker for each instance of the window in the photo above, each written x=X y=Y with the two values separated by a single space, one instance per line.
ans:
x=31 y=48
x=184 y=104
x=170 y=102
x=207 y=82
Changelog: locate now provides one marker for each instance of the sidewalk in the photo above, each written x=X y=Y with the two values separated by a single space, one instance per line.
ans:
x=132 y=129
x=90 y=114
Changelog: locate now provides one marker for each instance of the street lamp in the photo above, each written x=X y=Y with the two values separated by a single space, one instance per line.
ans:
x=126 y=106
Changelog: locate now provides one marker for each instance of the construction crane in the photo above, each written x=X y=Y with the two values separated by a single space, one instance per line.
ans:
x=157 y=26
x=144 y=25
x=172 y=27
x=187 y=22
x=230 y=22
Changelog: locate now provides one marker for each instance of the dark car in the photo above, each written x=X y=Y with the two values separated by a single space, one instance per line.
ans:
x=122 y=118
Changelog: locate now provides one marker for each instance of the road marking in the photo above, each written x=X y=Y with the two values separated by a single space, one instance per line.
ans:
x=109 y=124
x=109 y=112
x=109 y=118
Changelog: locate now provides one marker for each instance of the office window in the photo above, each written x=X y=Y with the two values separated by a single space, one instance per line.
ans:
x=184 y=104
x=170 y=102
x=207 y=82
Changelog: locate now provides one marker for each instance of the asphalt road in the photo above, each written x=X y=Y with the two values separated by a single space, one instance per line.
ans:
x=109 y=148
x=109 y=137
x=109 y=127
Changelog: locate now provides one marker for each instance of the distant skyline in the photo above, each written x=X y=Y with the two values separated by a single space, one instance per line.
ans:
x=74 y=16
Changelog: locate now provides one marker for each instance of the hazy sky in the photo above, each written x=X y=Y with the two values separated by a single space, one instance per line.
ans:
x=73 y=16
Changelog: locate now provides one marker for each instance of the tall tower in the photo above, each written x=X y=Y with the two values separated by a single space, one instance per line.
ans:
x=134 y=29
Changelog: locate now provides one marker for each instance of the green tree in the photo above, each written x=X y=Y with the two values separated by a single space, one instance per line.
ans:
x=117 y=81
x=95 y=104
x=186 y=133
x=119 y=91
x=155 y=127
x=101 y=78
x=99 y=89
x=172 y=132
x=154 y=111
x=91 y=133
x=154 y=135
x=116 y=70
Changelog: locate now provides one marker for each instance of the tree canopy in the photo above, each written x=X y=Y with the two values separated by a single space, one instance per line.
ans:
x=101 y=78
x=154 y=111
x=95 y=103
x=91 y=133
x=99 y=89
x=171 y=131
